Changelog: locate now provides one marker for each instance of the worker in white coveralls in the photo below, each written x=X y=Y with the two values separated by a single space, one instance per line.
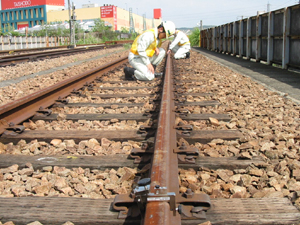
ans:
x=181 y=45
x=145 y=53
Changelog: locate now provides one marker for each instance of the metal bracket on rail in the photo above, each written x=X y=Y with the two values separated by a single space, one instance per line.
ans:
x=43 y=112
x=182 y=112
x=88 y=86
x=78 y=93
x=99 y=80
x=184 y=129
x=180 y=99
x=143 y=196
x=189 y=205
x=143 y=154
x=154 y=103
x=185 y=153
x=14 y=129
x=146 y=130
x=156 y=98
x=193 y=206
x=134 y=205
x=151 y=113
x=61 y=102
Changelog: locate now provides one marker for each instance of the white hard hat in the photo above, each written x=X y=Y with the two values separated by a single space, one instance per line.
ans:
x=169 y=27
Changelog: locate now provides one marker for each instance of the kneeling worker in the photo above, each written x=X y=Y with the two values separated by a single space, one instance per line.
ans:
x=181 y=45
x=145 y=53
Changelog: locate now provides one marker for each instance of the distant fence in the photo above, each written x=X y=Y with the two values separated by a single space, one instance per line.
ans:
x=272 y=37
x=13 y=43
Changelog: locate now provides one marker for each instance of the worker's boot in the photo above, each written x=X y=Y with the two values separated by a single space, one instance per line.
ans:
x=156 y=74
x=187 y=55
x=129 y=73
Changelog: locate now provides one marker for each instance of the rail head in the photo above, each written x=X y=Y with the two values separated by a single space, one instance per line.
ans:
x=157 y=198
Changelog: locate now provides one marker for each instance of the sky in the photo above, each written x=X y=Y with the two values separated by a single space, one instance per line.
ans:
x=188 y=13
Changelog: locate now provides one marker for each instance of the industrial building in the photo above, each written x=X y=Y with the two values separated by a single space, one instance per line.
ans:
x=17 y=14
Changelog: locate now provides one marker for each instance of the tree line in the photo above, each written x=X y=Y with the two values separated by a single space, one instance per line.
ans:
x=98 y=34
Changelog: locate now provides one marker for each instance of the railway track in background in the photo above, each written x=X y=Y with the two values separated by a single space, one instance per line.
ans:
x=10 y=60
x=19 y=51
x=147 y=128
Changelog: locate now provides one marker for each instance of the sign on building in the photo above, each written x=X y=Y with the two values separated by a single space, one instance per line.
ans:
x=12 y=4
x=21 y=26
x=109 y=13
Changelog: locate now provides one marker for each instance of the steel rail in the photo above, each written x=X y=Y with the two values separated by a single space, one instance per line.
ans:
x=18 y=111
x=2 y=52
x=164 y=171
x=65 y=50
x=108 y=43
x=4 y=60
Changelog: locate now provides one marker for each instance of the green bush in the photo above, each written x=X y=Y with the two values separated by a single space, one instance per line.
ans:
x=194 y=37
x=89 y=39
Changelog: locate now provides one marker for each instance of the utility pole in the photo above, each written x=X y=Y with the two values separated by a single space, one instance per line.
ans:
x=131 y=24
x=70 y=21
x=200 y=25
x=73 y=23
x=200 y=28
x=268 y=7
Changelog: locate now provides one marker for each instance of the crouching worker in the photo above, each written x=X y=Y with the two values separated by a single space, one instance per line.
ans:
x=181 y=45
x=145 y=53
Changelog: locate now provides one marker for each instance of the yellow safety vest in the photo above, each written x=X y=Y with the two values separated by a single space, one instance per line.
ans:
x=151 y=48
x=184 y=43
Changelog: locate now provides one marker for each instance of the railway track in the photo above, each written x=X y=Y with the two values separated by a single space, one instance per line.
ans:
x=26 y=50
x=10 y=60
x=109 y=151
